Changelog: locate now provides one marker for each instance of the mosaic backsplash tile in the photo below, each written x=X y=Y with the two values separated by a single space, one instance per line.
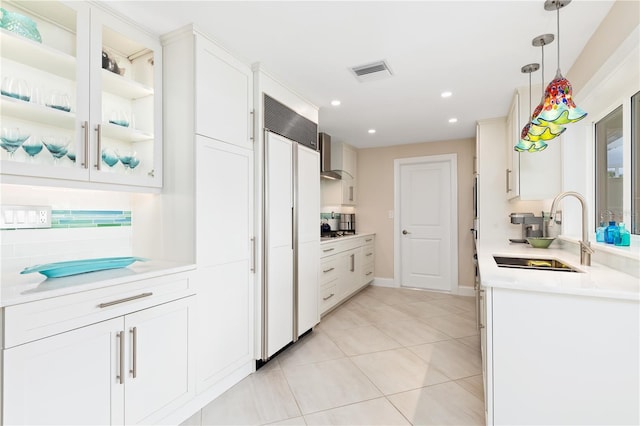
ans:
x=89 y=218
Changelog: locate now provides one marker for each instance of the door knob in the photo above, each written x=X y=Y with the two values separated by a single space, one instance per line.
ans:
x=405 y=232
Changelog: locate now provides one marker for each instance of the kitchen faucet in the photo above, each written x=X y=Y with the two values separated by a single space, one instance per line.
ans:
x=585 y=246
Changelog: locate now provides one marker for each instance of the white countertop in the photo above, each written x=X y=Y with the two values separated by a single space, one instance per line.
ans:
x=17 y=288
x=595 y=280
x=346 y=237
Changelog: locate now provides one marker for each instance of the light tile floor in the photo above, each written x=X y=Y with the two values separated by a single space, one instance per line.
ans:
x=385 y=357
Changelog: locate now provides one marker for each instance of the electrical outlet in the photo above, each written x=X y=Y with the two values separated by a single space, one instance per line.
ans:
x=25 y=217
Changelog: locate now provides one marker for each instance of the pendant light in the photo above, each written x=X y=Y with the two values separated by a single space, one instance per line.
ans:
x=526 y=144
x=548 y=131
x=534 y=136
x=558 y=107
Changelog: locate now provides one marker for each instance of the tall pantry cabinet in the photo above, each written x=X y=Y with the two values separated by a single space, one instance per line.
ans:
x=207 y=203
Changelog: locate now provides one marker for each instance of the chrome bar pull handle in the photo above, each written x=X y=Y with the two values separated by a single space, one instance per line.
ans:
x=507 y=182
x=99 y=146
x=85 y=158
x=253 y=125
x=120 y=376
x=253 y=254
x=126 y=299
x=134 y=352
x=329 y=296
x=328 y=270
x=353 y=262
x=328 y=250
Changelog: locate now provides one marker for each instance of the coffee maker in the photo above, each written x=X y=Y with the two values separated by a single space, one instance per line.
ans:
x=348 y=222
x=532 y=226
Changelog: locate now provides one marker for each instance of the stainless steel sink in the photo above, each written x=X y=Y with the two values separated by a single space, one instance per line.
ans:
x=528 y=263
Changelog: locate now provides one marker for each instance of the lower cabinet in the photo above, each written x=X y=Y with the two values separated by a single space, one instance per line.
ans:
x=131 y=369
x=550 y=359
x=345 y=267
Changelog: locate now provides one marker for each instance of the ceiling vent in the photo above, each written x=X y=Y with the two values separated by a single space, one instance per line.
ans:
x=375 y=71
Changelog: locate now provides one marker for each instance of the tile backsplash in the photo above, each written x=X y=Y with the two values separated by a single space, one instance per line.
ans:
x=89 y=218
x=84 y=224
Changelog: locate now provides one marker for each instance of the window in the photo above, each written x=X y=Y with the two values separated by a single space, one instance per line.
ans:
x=617 y=164
x=609 y=168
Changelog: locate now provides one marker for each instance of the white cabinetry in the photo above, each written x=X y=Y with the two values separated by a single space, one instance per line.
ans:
x=209 y=197
x=100 y=357
x=345 y=267
x=540 y=368
x=109 y=125
x=534 y=175
x=342 y=192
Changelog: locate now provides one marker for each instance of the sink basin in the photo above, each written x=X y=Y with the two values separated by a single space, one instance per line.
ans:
x=528 y=263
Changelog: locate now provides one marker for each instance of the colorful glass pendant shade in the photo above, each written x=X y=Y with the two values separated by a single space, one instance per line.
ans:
x=558 y=107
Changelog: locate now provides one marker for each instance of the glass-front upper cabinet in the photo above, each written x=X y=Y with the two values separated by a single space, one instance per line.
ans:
x=79 y=99
x=42 y=102
x=125 y=106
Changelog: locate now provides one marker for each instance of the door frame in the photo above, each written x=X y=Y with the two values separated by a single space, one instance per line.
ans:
x=452 y=159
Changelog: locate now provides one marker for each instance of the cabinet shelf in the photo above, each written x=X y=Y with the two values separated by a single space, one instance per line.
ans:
x=37 y=55
x=128 y=134
x=124 y=87
x=39 y=113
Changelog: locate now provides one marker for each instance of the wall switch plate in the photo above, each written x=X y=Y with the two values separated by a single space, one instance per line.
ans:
x=25 y=217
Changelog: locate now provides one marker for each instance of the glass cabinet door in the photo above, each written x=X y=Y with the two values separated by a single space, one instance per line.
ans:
x=125 y=108
x=43 y=103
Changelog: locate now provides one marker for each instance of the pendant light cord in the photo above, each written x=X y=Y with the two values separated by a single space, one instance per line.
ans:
x=542 y=81
x=558 y=31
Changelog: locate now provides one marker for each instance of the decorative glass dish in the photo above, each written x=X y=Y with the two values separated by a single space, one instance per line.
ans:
x=74 y=267
x=19 y=24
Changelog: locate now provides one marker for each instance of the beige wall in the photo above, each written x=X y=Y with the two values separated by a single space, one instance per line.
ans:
x=623 y=18
x=376 y=197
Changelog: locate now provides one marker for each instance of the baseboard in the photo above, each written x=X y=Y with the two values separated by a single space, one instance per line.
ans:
x=466 y=291
x=384 y=282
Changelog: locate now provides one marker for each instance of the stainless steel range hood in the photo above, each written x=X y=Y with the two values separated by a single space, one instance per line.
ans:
x=327 y=170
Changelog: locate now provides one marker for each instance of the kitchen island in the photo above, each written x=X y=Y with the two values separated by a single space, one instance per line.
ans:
x=558 y=347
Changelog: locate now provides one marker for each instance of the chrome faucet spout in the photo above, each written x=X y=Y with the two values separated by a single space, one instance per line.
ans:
x=585 y=246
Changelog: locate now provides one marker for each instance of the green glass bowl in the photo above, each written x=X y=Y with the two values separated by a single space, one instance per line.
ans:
x=540 y=242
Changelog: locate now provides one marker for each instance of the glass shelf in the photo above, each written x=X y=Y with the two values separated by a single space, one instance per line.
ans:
x=127 y=134
x=124 y=87
x=33 y=112
x=37 y=55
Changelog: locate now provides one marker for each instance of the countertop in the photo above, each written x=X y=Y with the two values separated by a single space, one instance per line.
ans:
x=17 y=288
x=344 y=238
x=596 y=280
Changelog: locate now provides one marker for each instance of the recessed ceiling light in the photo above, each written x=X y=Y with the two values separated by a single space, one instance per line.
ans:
x=372 y=131
x=335 y=102
x=453 y=120
x=446 y=94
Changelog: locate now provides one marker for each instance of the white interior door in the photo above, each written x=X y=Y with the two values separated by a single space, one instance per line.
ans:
x=426 y=197
x=278 y=291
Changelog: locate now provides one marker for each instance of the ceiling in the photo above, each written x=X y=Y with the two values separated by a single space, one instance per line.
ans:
x=474 y=49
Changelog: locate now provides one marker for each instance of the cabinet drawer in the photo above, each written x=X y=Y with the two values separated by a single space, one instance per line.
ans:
x=368 y=254
x=367 y=273
x=36 y=320
x=329 y=269
x=328 y=297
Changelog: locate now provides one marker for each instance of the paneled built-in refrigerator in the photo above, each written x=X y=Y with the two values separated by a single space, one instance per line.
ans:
x=291 y=241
